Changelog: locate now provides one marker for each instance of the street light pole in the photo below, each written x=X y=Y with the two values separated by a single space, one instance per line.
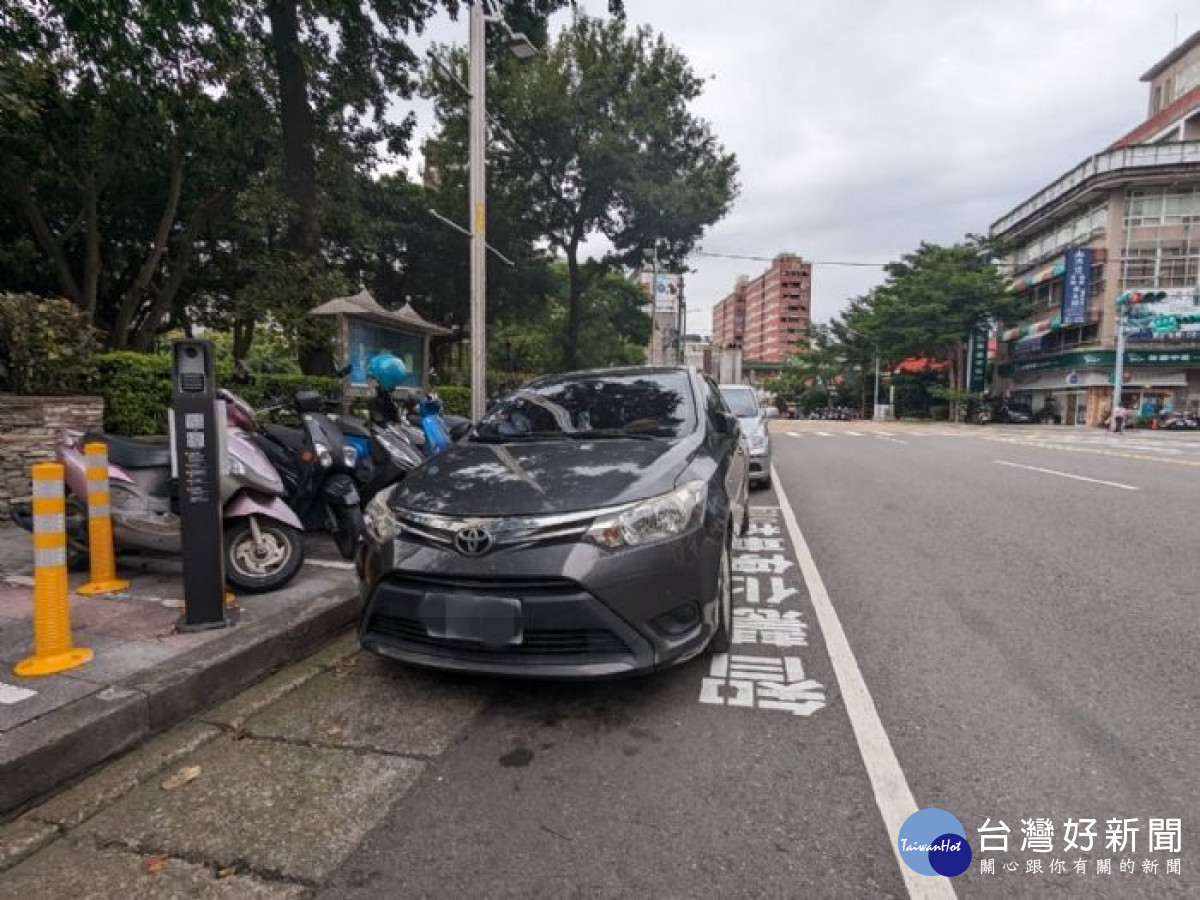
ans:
x=477 y=80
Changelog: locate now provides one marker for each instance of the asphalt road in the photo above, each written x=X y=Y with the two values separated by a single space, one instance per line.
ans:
x=1016 y=610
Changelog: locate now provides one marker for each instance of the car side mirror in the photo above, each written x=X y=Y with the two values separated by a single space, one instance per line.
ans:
x=726 y=423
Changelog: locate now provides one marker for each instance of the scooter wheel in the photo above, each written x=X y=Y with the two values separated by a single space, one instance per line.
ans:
x=350 y=531
x=267 y=566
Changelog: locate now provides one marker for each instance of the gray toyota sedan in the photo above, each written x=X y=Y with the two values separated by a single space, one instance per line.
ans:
x=584 y=529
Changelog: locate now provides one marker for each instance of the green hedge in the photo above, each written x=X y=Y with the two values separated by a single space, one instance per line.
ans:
x=46 y=346
x=137 y=390
x=456 y=400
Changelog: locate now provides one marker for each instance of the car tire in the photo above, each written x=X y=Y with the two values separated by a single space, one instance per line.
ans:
x=722 y=638
x=254 y=572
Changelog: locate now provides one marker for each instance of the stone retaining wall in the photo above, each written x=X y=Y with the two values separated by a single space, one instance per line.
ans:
x=29 y=427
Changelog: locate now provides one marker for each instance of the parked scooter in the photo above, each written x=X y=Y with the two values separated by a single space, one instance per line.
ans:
x=263 y=543
x=317 y=467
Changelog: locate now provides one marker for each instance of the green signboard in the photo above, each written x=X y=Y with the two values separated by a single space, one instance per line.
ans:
x=1103 y=359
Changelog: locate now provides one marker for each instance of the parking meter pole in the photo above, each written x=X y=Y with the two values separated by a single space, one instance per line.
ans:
x=196 y=455
x=102 y=559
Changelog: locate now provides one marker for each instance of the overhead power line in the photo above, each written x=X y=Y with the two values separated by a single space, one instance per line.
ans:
x=814 y=262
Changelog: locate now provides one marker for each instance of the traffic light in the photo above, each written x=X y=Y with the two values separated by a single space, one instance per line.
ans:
x=1131 y=297
x=1153 y=296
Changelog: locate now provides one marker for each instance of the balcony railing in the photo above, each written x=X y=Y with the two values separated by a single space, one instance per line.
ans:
x=1140 y=157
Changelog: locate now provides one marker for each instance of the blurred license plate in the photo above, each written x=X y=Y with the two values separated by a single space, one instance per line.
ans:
x=494 y=621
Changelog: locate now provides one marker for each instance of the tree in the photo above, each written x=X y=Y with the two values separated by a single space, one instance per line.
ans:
x=930 y=301
x=123 y=136
x=594 y=137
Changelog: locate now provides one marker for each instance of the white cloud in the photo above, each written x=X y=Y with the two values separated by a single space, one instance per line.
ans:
x=864 y=127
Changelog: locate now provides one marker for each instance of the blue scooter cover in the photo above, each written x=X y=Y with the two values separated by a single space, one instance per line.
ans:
x=437 y=438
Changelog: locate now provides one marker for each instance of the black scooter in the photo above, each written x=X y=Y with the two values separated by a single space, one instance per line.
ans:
x=318 y=468
x=386 y=452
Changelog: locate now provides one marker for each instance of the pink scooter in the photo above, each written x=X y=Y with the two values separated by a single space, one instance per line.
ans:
x=264 y=546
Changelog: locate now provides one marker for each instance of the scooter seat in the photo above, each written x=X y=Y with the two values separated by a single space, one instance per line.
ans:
x=134 y=453
x=292 y=438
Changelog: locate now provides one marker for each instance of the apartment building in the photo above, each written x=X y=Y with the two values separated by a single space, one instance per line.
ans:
x=768 y=316
x=1124 y=219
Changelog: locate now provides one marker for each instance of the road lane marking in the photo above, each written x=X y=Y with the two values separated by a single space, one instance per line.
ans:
x=822 y=434
x=1116 y=484
x=853 y=433
x=885 y=433
x=892 y=793
x=884 y=437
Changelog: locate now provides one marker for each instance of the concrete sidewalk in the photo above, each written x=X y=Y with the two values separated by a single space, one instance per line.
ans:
x=144 y=676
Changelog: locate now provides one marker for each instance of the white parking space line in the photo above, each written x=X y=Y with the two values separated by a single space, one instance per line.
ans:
x=10 y=694
x=892 y=793
x=884 y=437
x=330 y=563
x=1115 y=484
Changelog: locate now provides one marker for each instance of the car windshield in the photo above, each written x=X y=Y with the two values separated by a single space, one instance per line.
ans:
x=635 y=404
x=741 y=402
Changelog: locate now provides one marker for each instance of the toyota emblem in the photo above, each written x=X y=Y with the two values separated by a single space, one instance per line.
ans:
x=473 y=541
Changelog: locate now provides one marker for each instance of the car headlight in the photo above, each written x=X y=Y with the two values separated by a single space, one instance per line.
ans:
x=382 y=526
x=350 y=456
x=324 y=457
x=758 y=442
x=236 y=466
x=651 y=520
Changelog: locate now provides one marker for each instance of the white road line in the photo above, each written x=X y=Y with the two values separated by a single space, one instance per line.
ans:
x=884 y=437
x=795 y=433
x=10 y=694
x=330 y=563
x=885 y=433
x=892 y=794
x=822 y=434
x=1116 y=484
x=853 y=433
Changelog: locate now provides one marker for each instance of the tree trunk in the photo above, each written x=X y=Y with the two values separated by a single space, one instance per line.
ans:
x=243 y=336
x=296 y=123
x=91 y=244
x=574 y=308
x=50 y=245
x=134 y=296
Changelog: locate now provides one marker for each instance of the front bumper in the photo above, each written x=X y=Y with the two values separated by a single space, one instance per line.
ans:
x=578 y=611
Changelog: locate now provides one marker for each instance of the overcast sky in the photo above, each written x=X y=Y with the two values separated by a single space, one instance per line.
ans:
x=863 y=127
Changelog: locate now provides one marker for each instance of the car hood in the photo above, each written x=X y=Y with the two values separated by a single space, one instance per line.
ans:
x=525 y=478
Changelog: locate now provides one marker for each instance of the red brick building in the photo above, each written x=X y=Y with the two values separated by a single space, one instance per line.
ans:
x=767 y=316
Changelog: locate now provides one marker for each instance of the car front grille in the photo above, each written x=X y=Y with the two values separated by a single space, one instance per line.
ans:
x=535 y=641
x=561 y=622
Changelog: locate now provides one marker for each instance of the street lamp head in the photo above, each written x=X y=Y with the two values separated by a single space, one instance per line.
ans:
x=520 y=46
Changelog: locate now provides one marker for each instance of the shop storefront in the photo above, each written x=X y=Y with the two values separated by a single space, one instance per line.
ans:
x=1078 y=386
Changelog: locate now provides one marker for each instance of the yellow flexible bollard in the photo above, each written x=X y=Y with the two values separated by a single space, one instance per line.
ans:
x=104 y=578
x=52 y=648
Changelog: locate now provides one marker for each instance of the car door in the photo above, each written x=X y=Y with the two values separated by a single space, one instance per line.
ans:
x=733 y=453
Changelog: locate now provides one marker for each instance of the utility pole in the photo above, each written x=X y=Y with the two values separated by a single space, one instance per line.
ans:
x=1119 y=364
x=477 y=79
